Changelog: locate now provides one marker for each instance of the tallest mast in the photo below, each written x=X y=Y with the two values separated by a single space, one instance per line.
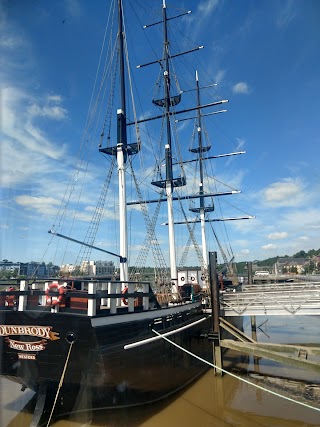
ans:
x=168 y=154
x=167 y=104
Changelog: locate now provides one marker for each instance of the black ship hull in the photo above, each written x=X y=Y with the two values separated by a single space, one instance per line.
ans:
x=95 y=362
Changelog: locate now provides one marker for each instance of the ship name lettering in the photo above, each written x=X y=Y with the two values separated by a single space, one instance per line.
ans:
x=37 y=331
x=24 y=346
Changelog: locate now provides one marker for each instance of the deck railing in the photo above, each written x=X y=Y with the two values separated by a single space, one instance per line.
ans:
x=91 y=298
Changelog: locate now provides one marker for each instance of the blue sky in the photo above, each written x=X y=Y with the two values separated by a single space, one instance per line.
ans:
x=263 y=55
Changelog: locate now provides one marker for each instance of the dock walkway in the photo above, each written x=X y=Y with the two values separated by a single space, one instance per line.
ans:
x=272 y=299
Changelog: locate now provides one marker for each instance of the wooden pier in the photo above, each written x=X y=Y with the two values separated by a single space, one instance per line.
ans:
x=269 y=298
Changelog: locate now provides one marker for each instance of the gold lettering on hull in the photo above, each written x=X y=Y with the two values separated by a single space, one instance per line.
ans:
x=34 y=331
x=44 y=332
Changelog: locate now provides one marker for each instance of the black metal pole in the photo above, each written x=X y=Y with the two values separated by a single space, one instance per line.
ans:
x=215 y=307
x=249 y=267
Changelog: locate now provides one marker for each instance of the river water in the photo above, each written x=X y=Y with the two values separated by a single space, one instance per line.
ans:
x=212 y=400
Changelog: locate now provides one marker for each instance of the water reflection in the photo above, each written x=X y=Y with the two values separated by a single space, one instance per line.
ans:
x=211 y=401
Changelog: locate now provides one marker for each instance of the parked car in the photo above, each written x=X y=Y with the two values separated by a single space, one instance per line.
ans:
x=262 y=273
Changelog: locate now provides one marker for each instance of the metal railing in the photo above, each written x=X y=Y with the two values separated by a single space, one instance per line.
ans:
x=273 y=299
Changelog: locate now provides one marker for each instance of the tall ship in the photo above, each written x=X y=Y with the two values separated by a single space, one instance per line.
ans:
x=83 y=341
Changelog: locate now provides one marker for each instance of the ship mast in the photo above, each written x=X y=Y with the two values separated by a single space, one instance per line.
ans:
x=171 y=182
x=168 y=154
x=167 y=103
x=122 y=150
x=201 y=191
x=122 y=156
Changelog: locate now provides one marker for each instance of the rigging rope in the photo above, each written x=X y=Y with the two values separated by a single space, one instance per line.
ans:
x=60 y=382
x=236 y=376
x=186 y=249
x=151 y=238
x=192 y=236
x=85 y=251
x=137 y=129
x=86 y=145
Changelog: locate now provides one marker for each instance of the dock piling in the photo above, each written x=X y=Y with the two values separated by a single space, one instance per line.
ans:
x=215 y=306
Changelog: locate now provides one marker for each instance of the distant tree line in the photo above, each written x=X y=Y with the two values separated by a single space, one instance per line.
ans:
x=300 y=254
x=269 y=262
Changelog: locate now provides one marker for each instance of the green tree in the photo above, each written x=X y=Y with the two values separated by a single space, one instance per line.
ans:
x=301 y=254
x=311 y=266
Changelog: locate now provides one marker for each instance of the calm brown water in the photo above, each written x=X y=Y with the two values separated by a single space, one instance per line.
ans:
x=212 y=401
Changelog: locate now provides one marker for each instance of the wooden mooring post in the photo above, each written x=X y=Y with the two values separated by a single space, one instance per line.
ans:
x=215 y=307
x=253 y=327
x=249 y=267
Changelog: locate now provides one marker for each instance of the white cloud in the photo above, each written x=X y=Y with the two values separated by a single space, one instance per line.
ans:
x=8 y=41
x=241 y=87
x=288 y=192
x=306 y=220
x=52 y=112
x=49 y=109
x=278 y=235
x=54 y=98
x=204 y=10
x=269 y=247
x=36 y=202
x=49 y=206
x=242 y=254
x=39 y=205
x=73 y=8
x=287 y=13
x=219 y=76
x=24 y=144
x=207 y=6
x=240 y=144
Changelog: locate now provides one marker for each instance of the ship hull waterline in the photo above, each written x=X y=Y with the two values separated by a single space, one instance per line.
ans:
x=95 y=362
